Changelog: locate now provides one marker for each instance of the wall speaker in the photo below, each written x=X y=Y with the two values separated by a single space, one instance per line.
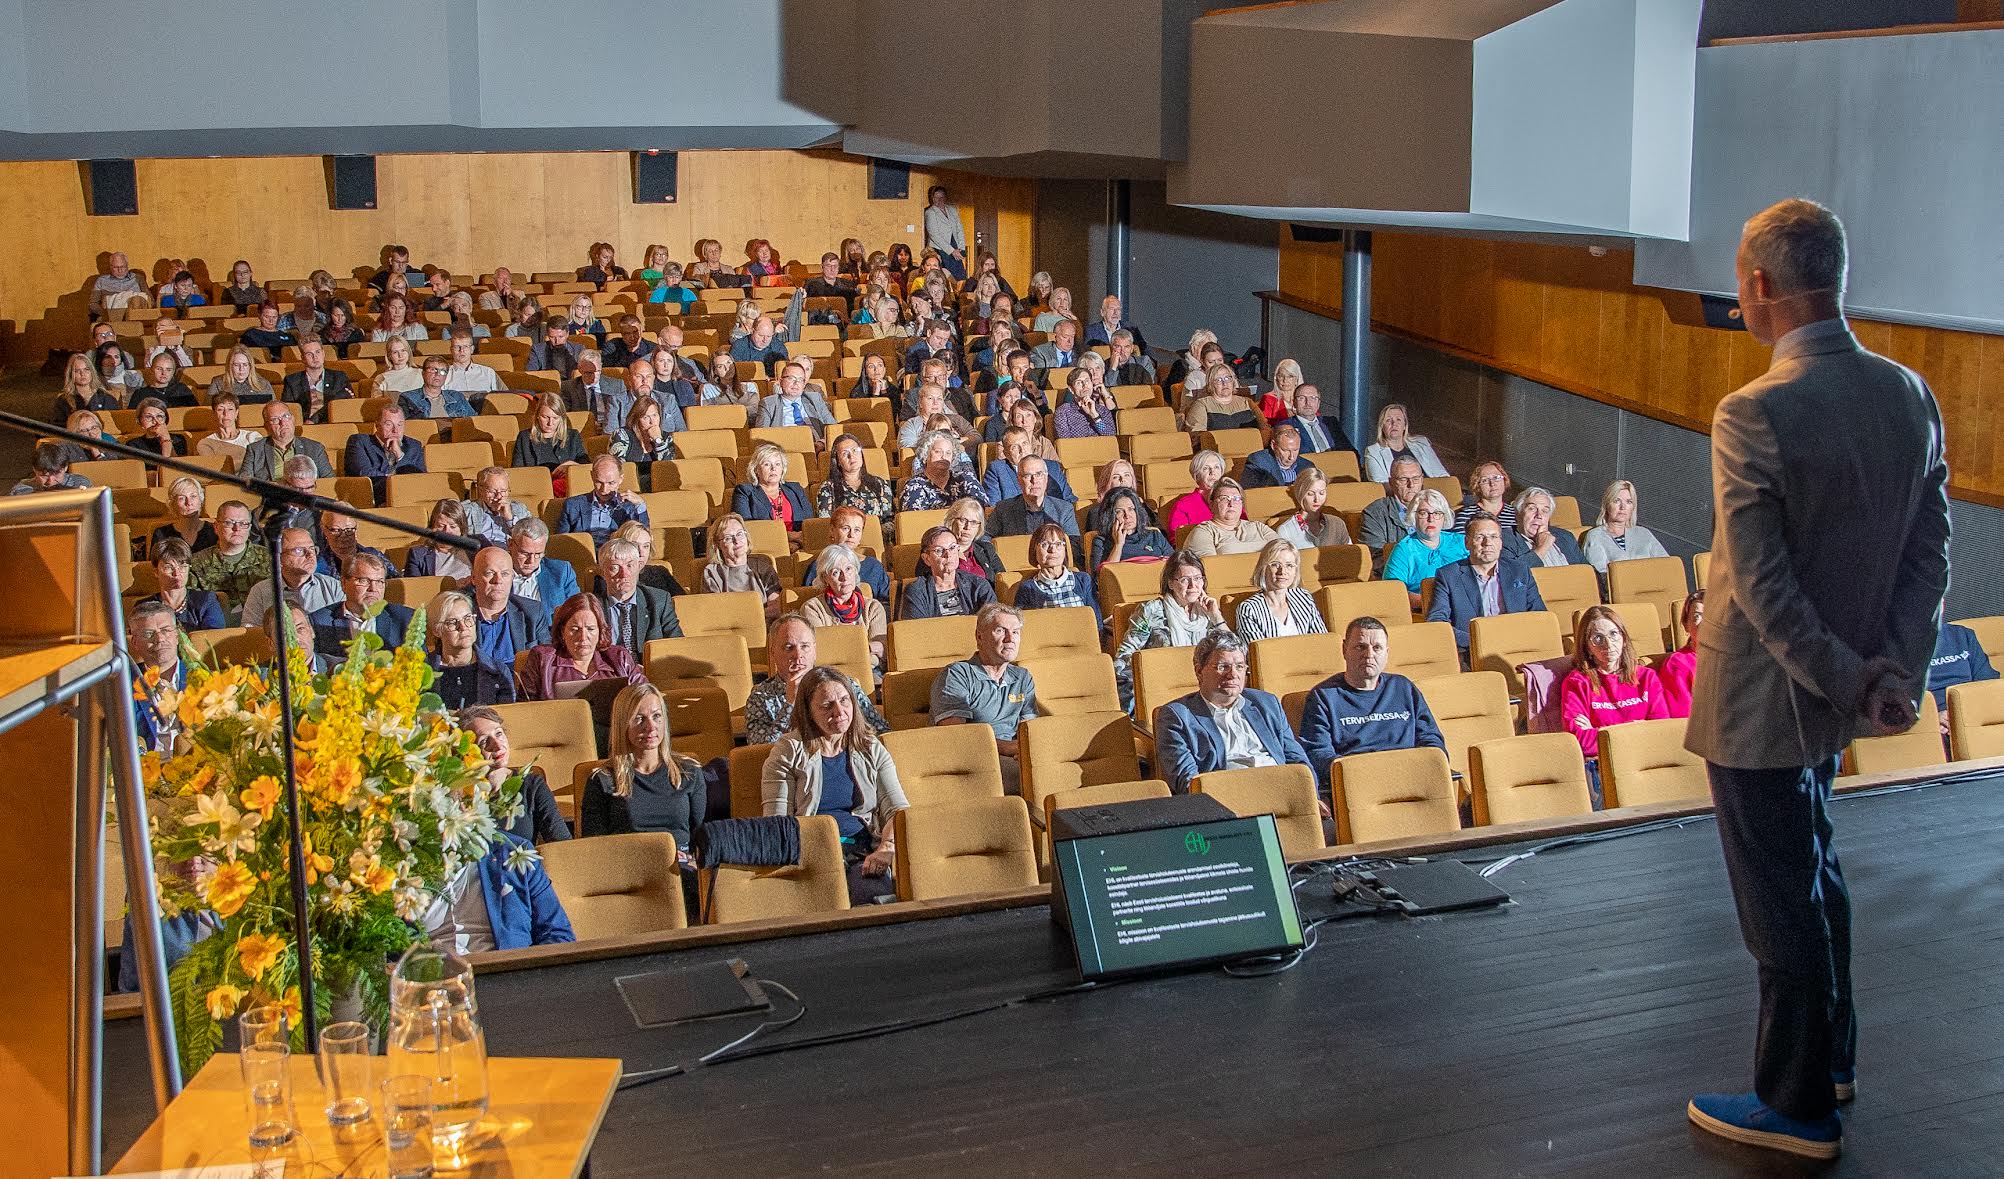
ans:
x=351 y=182
x=1332 y=234
x=111 y=188
x=654 y=177
x=1721 y=312
x=890 y=180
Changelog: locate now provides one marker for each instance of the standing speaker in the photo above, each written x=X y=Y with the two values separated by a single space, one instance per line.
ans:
x=111 y=188
x=890 y=180
x=654 y=177
x=351 y=182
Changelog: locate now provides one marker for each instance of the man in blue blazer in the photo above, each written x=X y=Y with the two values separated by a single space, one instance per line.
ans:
x=1483 y=583
x=1223 y=725
x=605 y=507
x=504 y=625
x=1318 y=433
x=1534 y=537
x=547 y=583
x=385 y=452
x=522 y=905
x=363 y=582
x=154 y=639
x=1279 y=463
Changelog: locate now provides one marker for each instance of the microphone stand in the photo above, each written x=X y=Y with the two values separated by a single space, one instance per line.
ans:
x=276 y=501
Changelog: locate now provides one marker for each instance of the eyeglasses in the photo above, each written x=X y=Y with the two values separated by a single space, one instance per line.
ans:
x=366 y=582
x=343 y=533
x=233 y=523
x=942 y=550
x=1486 y=480
x=300 y=550
x=154 y=634
x=462 y=622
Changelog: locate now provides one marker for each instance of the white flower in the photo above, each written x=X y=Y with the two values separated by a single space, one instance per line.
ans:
x=521 y=857
x=235 y=830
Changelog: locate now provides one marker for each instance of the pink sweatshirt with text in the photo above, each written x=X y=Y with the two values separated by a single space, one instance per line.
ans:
x=1678 y=671
x=1589 y=703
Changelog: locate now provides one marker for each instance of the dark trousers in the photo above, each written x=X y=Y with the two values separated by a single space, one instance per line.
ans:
x=1795 y=916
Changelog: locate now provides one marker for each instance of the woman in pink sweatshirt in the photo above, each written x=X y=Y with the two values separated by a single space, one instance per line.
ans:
x=1682 y=664
x=1607 y=686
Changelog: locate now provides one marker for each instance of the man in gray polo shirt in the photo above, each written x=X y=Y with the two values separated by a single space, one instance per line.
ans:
x=991 y=688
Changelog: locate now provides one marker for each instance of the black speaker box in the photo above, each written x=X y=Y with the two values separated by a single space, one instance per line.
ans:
x=1721 y=312
x=111 y=188
x=1315 y=233
x=890 y=180
x=351 y=182
x=654 y=177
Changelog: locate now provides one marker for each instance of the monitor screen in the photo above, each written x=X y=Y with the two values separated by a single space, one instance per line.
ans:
x=1184 y=895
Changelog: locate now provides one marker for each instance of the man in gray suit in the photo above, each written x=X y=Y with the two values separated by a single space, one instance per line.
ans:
x=266 y=458
x=794 y=404
x=592 y=390
x=1810 y=639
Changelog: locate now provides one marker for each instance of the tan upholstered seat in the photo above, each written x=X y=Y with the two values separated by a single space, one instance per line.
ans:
x=1659 y=581
x=718 y=661
x=1060 y=753
x=1645 y=761
x=1066 y=630
x=1502 y=641
x=418 y=489
x=1915 y=749
x=617 y=885
x=1976 y=719
x=1295 y=663
x=1069 y=685
x=1538 y=776
x=740 y=613
x=1392 y=794
x=699 y=720
x=846 y=648
x=1286 y=792
x=928 y=642
x=1470 y=707
x=747 y=772
x=1385 y=601
x=1567 y=589
x=969 y=846
x=907 y=696
x=1420 y=650
x=1644 y=622
x=1161 y=674
x=947 y=764
x=554 y=735
x=232 y=644
x=817 y=884
x=1989 y=635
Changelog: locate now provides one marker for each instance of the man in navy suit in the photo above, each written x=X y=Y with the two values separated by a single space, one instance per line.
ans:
x=522 y=908
x=1279 y=463
x=604 y=508
x=548 y=583
x=1317 y=432
x=363 y=581
x=504 y=625
x=1534 y=541
x=154 y=639
x=1223 y=725
x=384 y=453
x=556 y=352
x=1482 y=583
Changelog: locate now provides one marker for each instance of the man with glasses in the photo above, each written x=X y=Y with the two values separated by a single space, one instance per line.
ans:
x=338 y=533
x=266 y=457
x=235 y=565
x=490 y=511
x=548 y=583
x=634 y=613
x=298 y=570
x=362 y=581
x=1393 y=518
x=153 y=639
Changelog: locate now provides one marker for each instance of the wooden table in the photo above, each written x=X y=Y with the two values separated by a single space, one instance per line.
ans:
x=542 y=1116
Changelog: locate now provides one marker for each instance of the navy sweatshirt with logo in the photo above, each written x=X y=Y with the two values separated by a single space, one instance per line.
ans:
x=1339 y=720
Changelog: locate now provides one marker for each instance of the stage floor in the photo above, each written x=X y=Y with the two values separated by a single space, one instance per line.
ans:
x=1559 y=1035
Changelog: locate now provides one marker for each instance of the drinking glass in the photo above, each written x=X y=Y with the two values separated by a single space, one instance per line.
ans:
x=264 y=1025
x=268 y=1093
x=346 y=1065
x=406 y=1117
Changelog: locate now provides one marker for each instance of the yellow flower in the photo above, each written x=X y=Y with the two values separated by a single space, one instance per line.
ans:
x=376 y=878
x=228 y=889
x=341 y=783
x=262 y=794
x=223 y=1001
x=256 y=953
x=315 y=863
x=290 y=1005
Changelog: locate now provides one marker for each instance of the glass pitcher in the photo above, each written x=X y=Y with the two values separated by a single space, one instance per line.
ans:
x=435 y=1033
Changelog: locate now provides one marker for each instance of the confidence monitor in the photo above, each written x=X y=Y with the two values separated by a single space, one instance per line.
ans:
x=1169 y=883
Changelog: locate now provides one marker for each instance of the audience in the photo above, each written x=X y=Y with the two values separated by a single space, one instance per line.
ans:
x=791 y=652
x=1420 y=555
x=846 y=527
x=999 y=482
x=538 y=820
x=1280 y=463
x=463 y=675
x=85 y=389
x=1223 y=405
x=1534 y=539
x=1089 y=413
x=153 y=639
x=431 y=559
x=1488 y=483
x=645 y=785
x=236 y=564
x=606 y=398
x=397 y=376
x=792 y=403
x=313 y=387
x=298 y=570
x=185 y=499
x=1608 y=685
x=635 y=614
x=1127 y=534
x=733 y=568
x=942 y=477
x=550 y=442
x=1393 y=443
x=1958 y=659
x=580 y=650
x=643 y=442
x=385 y=452
x=1223 y=725
x=977 y=553
x=842 y=602
x=358 y=613
x=849 y=485
x=547 y=583
x=1616 y=536
x=505 y=624
x=1281 y=608
x=1033 y=505
x=1364 y=708
x=240 y=380
x=831 y=763
x=606 y=506
x=1194 y=505
x=943 y=588
x=433 y=399
x=990 y=688
x=1309 y=527
x=1053 y=582
x=154 y=434
x=490 y=511
x=769 y=494
x=194 y=609
x=230 y=439
x=50 y=472
x=338 y=535
x=1483 y=583
x=1228 y=530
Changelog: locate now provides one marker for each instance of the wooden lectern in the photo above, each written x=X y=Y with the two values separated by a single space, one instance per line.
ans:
x=66 y=723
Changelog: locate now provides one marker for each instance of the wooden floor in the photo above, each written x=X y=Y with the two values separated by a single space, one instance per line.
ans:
x=1560 y=1035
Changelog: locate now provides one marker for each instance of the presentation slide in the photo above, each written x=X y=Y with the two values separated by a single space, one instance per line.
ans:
x=1146 y=900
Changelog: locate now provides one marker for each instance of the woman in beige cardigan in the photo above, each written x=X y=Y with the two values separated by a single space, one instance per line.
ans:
x=831 y=763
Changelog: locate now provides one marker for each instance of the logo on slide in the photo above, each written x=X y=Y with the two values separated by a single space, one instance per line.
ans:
x=1196 y=844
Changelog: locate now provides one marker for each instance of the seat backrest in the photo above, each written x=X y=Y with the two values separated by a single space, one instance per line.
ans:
x=817 y=884
x=930 y=642
x=1161 y=674
x=415 y=591
x=232 y=644
x=1502 y=641
x=970 y=846
x=1989 y=636
x=1084 y=454
x=1340 y=465
x=1917 y=748
x=1336 y=564
x=1059 y=631
x=1128 y=581
x=465 y=457
x=1645 y=761
x=846 y=648
x=907 y=696
x=740 y=613
x=699 y=720
x=747 y=790
x=947 y=764
x=617 y=885
x=1385 y=601
x=1071 y=684
x=1976 y=719
x=1567 y=589
x=1286 y=792
x=1065 y=752
x=1644 y=623
x=1469 y=707
x=1392 y=794
x=1421 y=650
x=1536 y=776
x=712 y=660
x=1296 y=662
x=1657 y=580
x=556 y=735
x=418 y=489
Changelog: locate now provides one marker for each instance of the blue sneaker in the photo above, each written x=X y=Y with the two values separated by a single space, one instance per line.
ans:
x=1845 y=1084
x=1741 y=1117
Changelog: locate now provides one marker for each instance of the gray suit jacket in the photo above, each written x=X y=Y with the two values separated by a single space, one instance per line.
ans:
x=260 y=457
x=1830 y=546
x=814 y=407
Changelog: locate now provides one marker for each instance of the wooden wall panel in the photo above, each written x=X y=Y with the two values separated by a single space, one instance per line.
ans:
x=469 y=213
x=1559 y=315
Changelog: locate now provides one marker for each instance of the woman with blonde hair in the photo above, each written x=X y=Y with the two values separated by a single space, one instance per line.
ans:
x=1038 y=297
x=185 y=501
x=1224 y=406
x=1394 y=442
x=550 y=441
x=1309 y=527
x=83 y=389
x=1281 y=608
x=831 y=763
x=645 y=785
x=887 y=319
x=1277 y=404
x=657 y=260
x=240 y=379
x=748 y=313
x=460 y=305
x=1430 y=546
x=733 y=568
x=1060 y=309
x=1189 y=367
x=767 y=494
x=1207 y=467
x=1616 y=536
x=397 y=376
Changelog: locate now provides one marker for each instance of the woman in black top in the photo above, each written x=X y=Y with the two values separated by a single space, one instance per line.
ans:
x=644 y=786
x=153 y=432
x=537 y=820
x=464 y=677
x=341 y=333
x=551 y=442
x=164 y=383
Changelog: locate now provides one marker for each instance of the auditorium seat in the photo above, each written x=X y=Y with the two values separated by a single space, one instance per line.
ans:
x=740 y=613
x=1469 y=707
x=907 y=697
x=1057 y=631
x=1502 y=641
x=1385 y=601
x=1143 y=449
x=1392 y=794
x=1339 y=465
x=846 y=648
x=946 y=764
x=232 y=644
x=1086 y=455
x=1976 y=719
x=617 y=885
x=555 y=735
x=715 y=660
x=1701 y=568
x=1232 y=572
x=1658 y=580
x=970 y=846
x=418 y=489
x=1287 y=792
x=575 y=549
x=1989 y=635
x=699 y=721
x=817 y=884
x=1645 y=761
x=1336 y=564
x=1915 y=749
x=1644 y=622
x=1295 y=663
x=1161 y=674
x=415 y=591
x=1536 y=776
x=1567 y=589
x=1071 y=685
x=1060 y=753
x=929 y=642
x=1128 y=581
x=1420 y=650
x=466 y=458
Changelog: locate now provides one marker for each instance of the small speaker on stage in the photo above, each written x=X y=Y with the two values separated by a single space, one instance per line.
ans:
x=890 y=180
x=655 y=175
x=351 y=182
x=1721 y=312
x=1330 y=234
x=111 y=188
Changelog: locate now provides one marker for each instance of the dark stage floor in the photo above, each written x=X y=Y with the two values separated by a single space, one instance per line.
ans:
x=1560 y=1035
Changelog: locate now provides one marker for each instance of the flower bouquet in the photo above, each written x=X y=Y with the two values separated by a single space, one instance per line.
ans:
x=396 y=800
